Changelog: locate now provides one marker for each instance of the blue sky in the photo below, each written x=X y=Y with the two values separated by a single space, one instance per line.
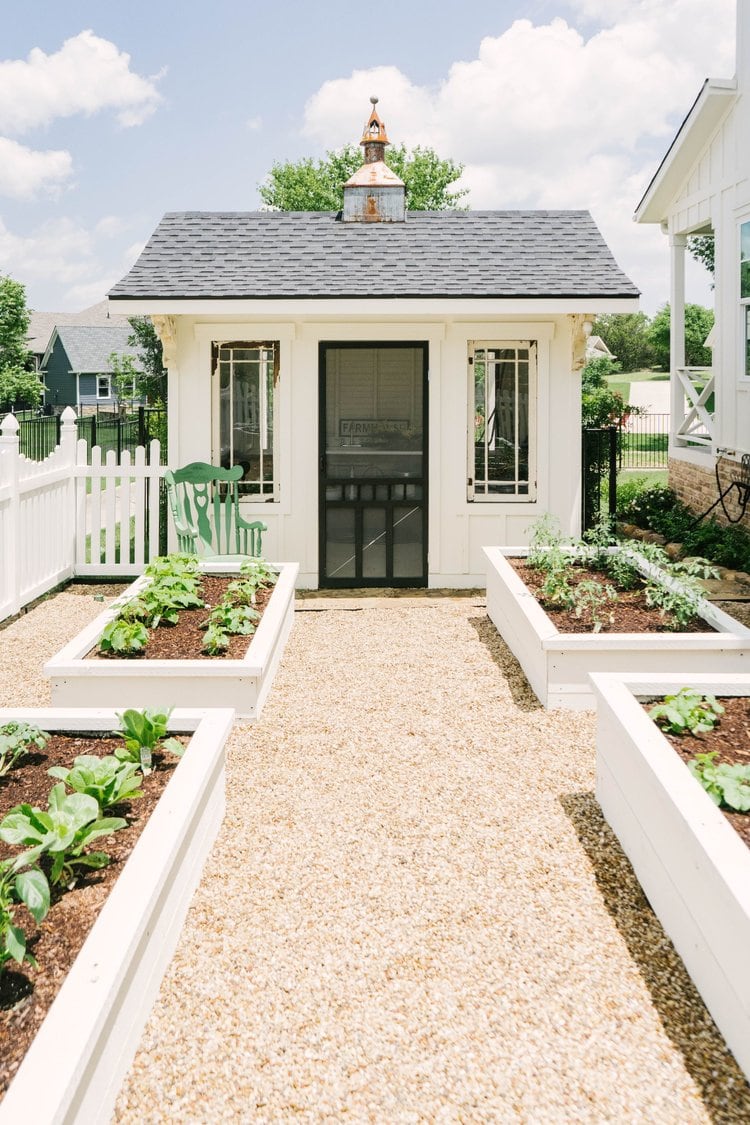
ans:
x=168 y=106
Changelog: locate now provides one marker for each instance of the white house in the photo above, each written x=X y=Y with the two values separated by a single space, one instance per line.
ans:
x=402 y=387
x=702 y=186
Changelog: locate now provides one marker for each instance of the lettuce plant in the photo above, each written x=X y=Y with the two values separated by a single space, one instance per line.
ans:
x=726 y=785
x=142 y=731
x=16 y=740
x=107 y=780
x=20 y=883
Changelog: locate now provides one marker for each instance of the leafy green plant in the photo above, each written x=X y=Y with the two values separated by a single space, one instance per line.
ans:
x=123 y=637
x=556 y=590
x=545 y=542
x=687 y=712
x=234 y=619
x=142 y=732
x=725 y=784
x=68 y=826
x=170 y=566
x=16 y=740
x=261 y=570
x=242 y=592
x=107 y=779
x=20 y=883
x=622 y=569
x=215 y=640
x=678 y=606
x=695 y=567
x=590 y=599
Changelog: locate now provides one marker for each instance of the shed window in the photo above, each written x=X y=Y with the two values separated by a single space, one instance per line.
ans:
x=248 y=377
x=502 y=393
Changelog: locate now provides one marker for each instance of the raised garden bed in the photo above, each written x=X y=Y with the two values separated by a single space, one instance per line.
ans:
x=77 y=674
x=557 y=664
x=692 y=865
x=74 y=1067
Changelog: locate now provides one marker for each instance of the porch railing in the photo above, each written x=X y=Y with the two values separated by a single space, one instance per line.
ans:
x=696 y=427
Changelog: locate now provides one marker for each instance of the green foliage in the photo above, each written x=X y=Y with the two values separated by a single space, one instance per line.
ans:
x=678 y=606
x=687 y=712
x=19 y=386
x=18 y=383
x=626 y=336
x=698 y=323
x=701 y=247
x=601 y=406
x=317 y=185
x=215 y=640
x=142 y=732
x=163 y=600
x=151 y=382
x=20 y=883
x=234 y=619
x=68 y=826
x=16 y=740
x=259 y=571
x=107 y=780
x=173 y=566
x=591 y=597
x=124 y=376
x=594 y=374
x=726 y=785
x=123 y=638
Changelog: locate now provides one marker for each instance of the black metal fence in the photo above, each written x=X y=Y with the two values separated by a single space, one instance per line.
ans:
x=644 y=442
x=39 y=434
x=599 y=467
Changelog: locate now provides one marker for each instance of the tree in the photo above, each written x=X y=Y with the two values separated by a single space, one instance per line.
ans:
x=698 y=323
x=151 y=382
x=317 y=185
x=19 y=383
x=701 y=247
x=626 y=336
x=124 y=376
x=601 y=406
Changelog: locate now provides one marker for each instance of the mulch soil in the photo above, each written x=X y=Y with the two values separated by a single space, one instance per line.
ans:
x=731 y=741
x=630 y=612
x=26 y=993
x=183 y=641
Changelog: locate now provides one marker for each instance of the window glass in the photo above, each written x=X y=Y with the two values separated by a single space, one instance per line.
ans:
x=247 y=389
x=745 y=260
x=102 y=386
x=501 y=391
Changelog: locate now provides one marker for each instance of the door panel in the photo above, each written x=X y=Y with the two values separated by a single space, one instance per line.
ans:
x=373 y=464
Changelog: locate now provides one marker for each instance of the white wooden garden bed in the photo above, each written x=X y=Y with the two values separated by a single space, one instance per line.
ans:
x=693 y=867
x=557 y=665
x=74 y=1068
x=214 y=682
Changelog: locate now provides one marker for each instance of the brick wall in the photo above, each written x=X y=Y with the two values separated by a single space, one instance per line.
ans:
x=697 y=488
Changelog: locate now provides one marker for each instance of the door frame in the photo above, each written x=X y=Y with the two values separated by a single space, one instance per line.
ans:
x=356 y=583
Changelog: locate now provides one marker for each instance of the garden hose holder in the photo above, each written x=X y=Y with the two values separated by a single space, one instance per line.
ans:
x=739 y=480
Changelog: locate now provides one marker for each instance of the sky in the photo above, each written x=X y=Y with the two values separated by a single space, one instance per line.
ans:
x=113 y=113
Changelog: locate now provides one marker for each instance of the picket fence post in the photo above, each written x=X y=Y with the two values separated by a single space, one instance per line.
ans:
x=68 y=444
x=9 y=454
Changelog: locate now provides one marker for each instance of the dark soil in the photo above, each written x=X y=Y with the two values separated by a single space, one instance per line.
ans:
x=731 y=741
x=630 y=611
x=26 y=993
x=183 y=641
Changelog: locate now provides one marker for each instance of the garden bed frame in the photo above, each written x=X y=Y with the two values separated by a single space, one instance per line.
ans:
x=692 y=865
x=211 y=682
x=557 y=665
x=73 y=1070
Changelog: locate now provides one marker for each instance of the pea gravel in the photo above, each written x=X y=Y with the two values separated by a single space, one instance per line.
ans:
x=414 y=911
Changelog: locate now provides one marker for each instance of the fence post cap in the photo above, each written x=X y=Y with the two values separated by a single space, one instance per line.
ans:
x=68 y=416
x=9 y=425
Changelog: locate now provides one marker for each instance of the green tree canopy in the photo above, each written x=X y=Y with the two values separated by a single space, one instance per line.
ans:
x=701 y=247
x=151 y=383
x=698 y=323
x=317 y=185
x=18 y=382
x=626 y=336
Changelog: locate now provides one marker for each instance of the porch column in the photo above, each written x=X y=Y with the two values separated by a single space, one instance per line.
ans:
x=677 y=245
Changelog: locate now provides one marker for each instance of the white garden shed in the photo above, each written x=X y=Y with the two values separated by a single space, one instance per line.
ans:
x=402 y=387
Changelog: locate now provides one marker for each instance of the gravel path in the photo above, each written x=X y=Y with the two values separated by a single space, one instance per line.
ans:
x=414 y=911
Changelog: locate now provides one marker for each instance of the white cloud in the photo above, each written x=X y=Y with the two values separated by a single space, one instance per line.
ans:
x=545 y=117
x=24 y=172
x=86 y=75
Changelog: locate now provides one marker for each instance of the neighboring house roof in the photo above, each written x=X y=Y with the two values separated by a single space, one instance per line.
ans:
x=312 y=254
x=88 y=348
x=716 y=97
x=43 y=323
x=595 y=348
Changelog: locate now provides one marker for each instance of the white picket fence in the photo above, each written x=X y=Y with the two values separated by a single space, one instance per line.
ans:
x=72 y=514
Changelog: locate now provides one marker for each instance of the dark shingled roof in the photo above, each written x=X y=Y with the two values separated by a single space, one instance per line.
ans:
x=312 y=254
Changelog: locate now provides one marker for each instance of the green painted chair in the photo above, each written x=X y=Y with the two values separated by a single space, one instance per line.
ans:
x=205 y=508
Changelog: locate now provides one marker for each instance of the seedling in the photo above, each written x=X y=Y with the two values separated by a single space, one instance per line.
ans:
x=215 y=640
x=123 y=638
x=726 y=785
x=234 y=619
x=107 y=780
x=590 y=599
x=142 y=732
x=259 y=569
x=20 y=883
x=16 y=740
x=687 y=712
x=69 y=825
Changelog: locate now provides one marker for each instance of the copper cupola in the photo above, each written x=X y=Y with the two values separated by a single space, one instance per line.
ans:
x=374 y=194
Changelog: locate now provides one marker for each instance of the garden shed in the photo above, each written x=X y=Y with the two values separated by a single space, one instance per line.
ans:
x=401 y=387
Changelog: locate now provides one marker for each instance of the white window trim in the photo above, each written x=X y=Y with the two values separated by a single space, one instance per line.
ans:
x=503 y=498
x=743 y=303
x=100 y=396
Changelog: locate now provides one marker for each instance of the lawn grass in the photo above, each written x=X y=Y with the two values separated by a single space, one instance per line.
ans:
x=621 y=380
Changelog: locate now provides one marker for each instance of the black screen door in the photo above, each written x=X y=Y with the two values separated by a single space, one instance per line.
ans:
x=373 y=464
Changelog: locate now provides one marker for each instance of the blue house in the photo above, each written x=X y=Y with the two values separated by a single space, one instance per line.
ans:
x=77 y=365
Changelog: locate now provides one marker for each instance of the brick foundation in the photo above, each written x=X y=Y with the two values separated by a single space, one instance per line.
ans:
x=696 y=487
